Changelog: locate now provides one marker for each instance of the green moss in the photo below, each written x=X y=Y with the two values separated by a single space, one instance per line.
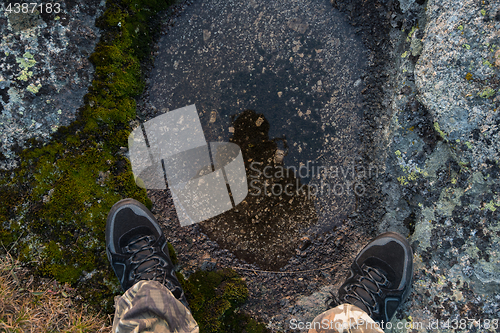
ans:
x=173 y=254
x=57 y=195
x=9 y=196
x=112 y=16
x=214 y=298
x=241 y=322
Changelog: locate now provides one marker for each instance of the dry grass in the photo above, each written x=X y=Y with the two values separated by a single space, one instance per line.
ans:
x=37 y=305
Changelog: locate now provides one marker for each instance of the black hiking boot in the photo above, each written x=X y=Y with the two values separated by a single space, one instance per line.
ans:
x=137 y=248
x=380 y=277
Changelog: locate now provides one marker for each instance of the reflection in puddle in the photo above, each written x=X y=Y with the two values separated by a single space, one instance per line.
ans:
x=300 y=66
x=265 y=228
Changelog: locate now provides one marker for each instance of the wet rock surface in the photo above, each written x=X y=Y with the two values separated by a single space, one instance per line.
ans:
x=44 y=71
x=265 y=227
x=279 y=63
x=292 y=63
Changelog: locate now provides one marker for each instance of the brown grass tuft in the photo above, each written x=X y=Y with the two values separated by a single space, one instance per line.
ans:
x=40 y=305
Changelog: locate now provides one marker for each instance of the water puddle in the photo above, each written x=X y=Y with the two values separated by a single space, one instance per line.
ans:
x=282 y=80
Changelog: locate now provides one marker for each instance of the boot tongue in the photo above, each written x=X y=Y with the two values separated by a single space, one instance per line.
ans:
x=376 y=276
x=362 y=293
x=135 y=244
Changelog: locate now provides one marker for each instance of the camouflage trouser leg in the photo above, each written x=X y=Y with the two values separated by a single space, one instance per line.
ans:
x=148 y=306
x=345 y=318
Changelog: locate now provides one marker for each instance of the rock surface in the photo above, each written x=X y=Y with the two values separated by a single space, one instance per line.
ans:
x=44 y=71
x=457 y=78
x=442 y=161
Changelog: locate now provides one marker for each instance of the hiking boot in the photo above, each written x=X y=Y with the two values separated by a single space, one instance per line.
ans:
x=380 y=277
x=137 y=248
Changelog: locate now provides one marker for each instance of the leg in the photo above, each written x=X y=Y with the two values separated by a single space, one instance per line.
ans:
x=345 y=318
x=137 y=250
x=379 y=282
x=148 y=306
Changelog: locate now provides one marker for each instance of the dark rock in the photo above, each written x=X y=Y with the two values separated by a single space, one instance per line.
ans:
x=304 y=243
x=5 y=95
x=406 y=90
x=208 y=265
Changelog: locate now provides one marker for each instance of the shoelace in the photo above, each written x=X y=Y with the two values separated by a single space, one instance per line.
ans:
x=370 y=283
x=332 y=300
x=143 y=252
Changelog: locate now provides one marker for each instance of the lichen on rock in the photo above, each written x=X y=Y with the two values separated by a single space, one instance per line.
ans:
x=44 y=63
x=453 y=205
x=462 y=106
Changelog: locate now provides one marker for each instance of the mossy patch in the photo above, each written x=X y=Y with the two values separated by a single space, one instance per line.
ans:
x=173 y=254
x=214 y=298
x=54 y=205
